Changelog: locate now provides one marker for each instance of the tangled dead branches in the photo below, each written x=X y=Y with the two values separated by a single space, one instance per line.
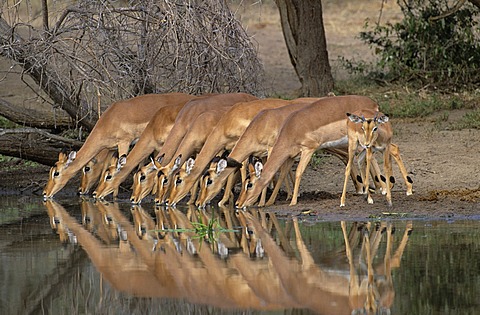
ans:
x=96 y=52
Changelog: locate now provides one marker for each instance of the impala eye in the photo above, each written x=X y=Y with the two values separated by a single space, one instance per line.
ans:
x=142 y=177
x=165 y=181
x=374 y=128
x=249 y=185
x=86 y=169
x=178 y=181
x=56 y=174
x=108 y=177
x=209 y=182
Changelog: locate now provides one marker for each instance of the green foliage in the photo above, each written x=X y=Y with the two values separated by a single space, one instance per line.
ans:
x=470 y=120
x=13 y=163
x=209 y=231
x=442 y=53
x=318 y=159
x=413 y=106
x=5 y=123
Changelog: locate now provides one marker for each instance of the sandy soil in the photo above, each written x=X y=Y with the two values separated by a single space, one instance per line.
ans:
x=443 y=164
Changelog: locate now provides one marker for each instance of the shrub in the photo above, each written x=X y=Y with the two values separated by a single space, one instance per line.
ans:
x=442 y=53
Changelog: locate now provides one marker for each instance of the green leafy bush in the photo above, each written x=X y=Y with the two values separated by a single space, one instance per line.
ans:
x=443 y=53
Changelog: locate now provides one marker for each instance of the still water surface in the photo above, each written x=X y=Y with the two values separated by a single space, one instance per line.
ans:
x=82 y=257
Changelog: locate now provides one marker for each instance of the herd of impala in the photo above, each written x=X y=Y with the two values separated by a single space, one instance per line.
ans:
x=185 y=144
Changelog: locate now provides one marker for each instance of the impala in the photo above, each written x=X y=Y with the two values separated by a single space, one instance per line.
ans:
x=320 y=125
x=223 y=137
x=165 y=134
x=151 y=139
x=257 y=140
x=167 y=153
x=93 y=169
x=116 y=128
x=372 y=131
x=146 y=178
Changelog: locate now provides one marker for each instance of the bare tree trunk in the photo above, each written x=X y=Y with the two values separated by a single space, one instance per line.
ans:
x=302 y=25
x=34 y=144
x=59 y=121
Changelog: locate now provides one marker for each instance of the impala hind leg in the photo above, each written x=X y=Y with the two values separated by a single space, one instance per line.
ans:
x=305 y=158
x=395 y=152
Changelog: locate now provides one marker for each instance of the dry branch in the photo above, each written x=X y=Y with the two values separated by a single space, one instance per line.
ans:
x=32 y=118
x=34 y=144
x=92 y=53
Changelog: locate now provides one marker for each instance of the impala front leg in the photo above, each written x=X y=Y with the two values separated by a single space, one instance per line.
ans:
x=284 y=171
x=387 y=163
x=367 y=175
x=351 y=151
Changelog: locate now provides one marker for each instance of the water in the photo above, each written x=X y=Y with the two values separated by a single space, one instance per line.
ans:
x=106 y=258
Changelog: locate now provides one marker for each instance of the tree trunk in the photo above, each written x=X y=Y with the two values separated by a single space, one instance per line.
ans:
x=302 y=26
x=34 y=144
x=32 y=118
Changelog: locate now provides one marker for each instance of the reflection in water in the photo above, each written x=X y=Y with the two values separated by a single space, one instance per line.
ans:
x=254 y=265
x=40 y=274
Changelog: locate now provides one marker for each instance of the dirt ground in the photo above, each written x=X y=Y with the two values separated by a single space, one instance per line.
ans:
x=444 y=164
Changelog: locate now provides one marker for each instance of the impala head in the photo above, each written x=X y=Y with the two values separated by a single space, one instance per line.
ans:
x=57 y=223
x=90 y=174
x=114 y=230
x=245 y=199
x=163 y=184
x=214 y=179
x=145 y=182
x=106 y=184
x=57 y=178
x=369 y=127
x=143 y=223
x=178 y=190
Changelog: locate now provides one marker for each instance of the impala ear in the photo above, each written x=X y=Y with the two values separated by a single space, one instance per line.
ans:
x=154 y=165
x=189 y=165
x=62 y=156
x=121 y=162
x=160 y=158
x=221 y=166
x=382 y=119
x=258 y=169
x=71 y=157
x=355 y=119
x=151 y=168
x=176 y=164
